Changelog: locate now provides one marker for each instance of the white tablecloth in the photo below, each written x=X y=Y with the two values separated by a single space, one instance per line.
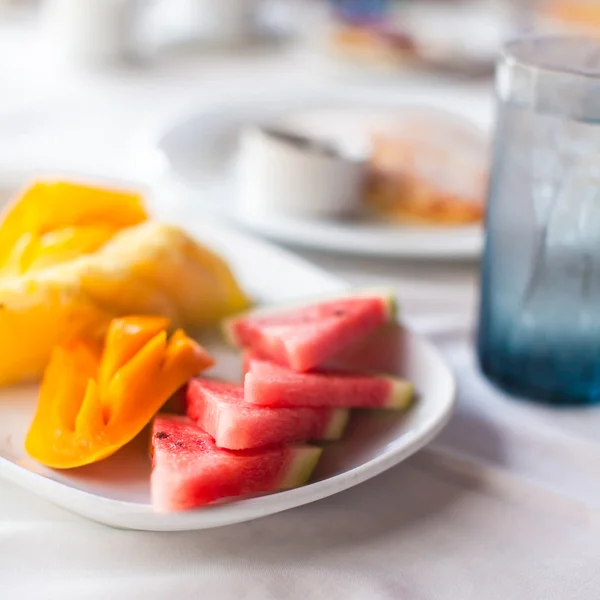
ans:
x=505 y=504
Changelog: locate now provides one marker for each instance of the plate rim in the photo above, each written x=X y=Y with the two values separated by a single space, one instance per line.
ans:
x=80 y=501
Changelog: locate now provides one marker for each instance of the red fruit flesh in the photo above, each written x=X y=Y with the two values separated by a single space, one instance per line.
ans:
x=188 y=470
x=304 y=338
x=219 y=409
x=269 y=384
x=380 y=352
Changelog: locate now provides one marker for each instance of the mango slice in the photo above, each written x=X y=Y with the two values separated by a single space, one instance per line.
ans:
x=54 y=222
x=94 y=402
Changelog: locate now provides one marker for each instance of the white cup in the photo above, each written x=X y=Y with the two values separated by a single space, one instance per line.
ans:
x=91 y=32
x=225 y=20
x=288 y=175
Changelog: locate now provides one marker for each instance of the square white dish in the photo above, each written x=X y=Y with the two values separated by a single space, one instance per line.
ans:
x=116 y=491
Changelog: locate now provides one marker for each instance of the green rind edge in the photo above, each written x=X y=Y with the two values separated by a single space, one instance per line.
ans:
x=401 y=395
x=304 y=461
x=337 y=425
x=227 y=326
x=393 y=308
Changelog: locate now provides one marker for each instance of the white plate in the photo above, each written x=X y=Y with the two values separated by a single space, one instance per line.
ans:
x=197 y=156
x=116 y=491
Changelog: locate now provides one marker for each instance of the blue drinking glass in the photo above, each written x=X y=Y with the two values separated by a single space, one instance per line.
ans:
x=539 y=327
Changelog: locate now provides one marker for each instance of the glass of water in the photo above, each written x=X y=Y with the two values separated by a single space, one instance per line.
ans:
x=539 y=328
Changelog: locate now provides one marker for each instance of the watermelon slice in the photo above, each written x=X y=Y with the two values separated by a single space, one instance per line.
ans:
x=269 y=384
x=219 y=408
x=383 y=351
x=306 y=336
x=188 y=470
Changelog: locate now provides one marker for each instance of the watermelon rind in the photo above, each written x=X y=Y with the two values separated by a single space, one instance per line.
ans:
x=401 y=395
x=228 y=325
x=303 y=463
x=337 y=425
x=393 y=307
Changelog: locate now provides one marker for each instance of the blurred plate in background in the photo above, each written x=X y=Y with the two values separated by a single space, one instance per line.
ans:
x=198 y=156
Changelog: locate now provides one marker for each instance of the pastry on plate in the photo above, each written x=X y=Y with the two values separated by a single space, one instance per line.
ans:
x=430 y=169
x=569 y=16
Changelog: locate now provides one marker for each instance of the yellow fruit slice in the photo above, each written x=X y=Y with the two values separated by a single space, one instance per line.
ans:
x=195 y=285
x=35 y=315
x=81 y=419
x=149 y=269
x=53 y=222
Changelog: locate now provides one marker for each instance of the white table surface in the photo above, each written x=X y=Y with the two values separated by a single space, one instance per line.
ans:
x=505 y=504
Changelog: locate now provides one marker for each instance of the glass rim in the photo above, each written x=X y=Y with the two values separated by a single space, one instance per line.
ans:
x=513 y=54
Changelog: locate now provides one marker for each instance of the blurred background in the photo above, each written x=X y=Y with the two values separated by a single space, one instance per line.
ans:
x=87 y=83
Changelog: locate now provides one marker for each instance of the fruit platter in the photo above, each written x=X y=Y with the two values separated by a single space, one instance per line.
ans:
x=167 y=378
